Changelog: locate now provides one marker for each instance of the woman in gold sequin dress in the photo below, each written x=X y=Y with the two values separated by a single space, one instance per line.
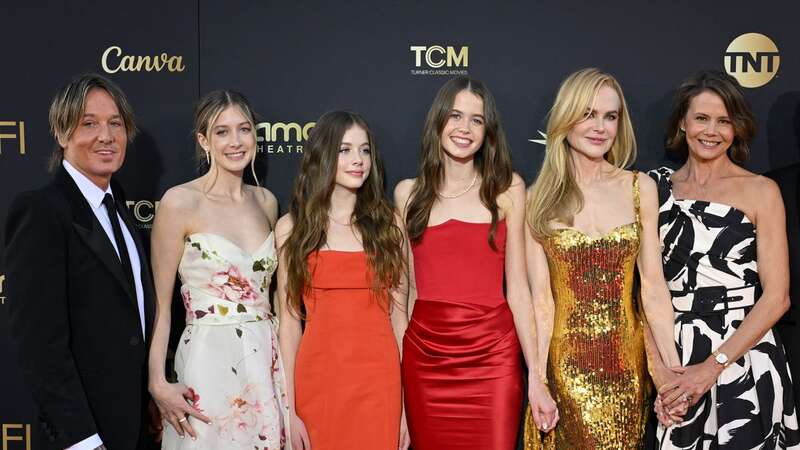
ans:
x=590 y=223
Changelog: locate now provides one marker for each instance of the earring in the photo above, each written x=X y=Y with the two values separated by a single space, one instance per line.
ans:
x=683 y=129
x=208 y=158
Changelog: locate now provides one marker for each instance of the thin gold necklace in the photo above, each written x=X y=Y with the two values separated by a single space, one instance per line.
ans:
x=474 y=179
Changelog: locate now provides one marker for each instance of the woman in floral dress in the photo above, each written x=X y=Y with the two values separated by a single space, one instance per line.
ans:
x=230 y=392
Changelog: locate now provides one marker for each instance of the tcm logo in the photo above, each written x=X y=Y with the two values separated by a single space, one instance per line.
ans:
x=144 y=211
x=2 y=282
x=753 y=59
x=439 y=60
x=13 y=131
x=114 y=61
x=282 y=137
x=16 y=432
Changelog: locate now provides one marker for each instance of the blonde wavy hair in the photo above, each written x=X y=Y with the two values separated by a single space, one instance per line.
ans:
x=555 y=195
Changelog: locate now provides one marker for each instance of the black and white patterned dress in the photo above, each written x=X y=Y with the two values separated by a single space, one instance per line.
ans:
x=709 y=256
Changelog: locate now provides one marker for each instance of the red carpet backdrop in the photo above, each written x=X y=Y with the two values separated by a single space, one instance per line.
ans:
x=385 y=60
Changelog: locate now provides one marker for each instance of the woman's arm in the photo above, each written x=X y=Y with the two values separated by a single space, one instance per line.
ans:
x=402 y=195
x=656 y=300
x=541 y=296
x=399 y=318
x=289 y=334
x=518 y=293
x=167 y=242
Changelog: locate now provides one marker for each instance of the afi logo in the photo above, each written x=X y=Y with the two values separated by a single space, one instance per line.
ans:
x=752 y=59
x=13 y=130
x=17 y=436
x=437 y=56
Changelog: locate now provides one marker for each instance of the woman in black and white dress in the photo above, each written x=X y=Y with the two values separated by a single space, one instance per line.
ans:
x=735 y=376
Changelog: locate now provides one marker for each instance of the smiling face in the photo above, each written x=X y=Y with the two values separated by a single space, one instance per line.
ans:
x=97 y=146
x=231 y=140
x=355 y=159
x=709 y=130
x=594 y=135
x=463 y=133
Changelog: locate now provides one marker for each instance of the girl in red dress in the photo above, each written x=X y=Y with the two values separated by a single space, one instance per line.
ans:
x=462 y=373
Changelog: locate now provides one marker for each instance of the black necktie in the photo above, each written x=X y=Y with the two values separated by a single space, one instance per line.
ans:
x=124 y=258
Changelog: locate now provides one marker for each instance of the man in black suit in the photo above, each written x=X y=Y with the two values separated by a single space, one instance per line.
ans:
x=79 y=287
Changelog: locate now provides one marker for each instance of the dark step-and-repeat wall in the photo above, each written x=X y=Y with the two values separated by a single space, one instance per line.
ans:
x=296 y=60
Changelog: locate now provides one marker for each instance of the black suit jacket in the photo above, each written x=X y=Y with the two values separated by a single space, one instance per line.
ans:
x=74 y=321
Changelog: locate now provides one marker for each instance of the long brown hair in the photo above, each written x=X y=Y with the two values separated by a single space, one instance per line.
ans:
x=493 y=159
x=372 y=216
x=727 y=88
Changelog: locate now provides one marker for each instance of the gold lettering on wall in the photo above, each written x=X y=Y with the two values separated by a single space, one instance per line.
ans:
x=18 y=134
x=114 y=60
x=16 y=436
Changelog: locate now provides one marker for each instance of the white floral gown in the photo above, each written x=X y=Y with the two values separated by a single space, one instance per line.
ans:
x=228 y=353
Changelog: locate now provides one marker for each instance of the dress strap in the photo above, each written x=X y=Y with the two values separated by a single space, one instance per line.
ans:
x=636 y=198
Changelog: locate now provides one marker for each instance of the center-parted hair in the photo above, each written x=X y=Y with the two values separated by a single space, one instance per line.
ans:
x=206 y=112
x=739 y=112
x=373 y=217
x=555 y=194
x=492 y=160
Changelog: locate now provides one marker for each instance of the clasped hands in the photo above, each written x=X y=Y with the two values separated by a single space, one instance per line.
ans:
x=680 y=388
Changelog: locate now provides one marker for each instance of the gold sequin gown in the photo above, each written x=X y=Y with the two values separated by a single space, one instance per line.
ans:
x=597 y=369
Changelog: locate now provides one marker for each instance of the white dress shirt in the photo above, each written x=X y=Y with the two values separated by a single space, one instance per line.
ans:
x=94 y=196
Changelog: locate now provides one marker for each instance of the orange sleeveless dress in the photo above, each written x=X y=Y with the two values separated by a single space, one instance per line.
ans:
x=347 y=372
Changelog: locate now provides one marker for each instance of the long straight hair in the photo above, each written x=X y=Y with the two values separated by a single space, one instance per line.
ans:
x=555 y=194
x=372 y=216
x=493 y=159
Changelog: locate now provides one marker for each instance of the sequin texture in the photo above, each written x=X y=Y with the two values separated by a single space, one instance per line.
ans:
x=596 y=366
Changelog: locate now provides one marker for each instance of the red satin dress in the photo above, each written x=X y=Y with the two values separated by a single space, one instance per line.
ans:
x=462 y=369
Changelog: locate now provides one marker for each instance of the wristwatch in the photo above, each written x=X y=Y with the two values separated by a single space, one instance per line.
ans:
x=721 y=358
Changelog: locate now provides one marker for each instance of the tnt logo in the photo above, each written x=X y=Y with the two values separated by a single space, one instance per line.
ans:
x=282 y=137
x=16 y=432
x=753 y=59
x=437 y=56
x=15 y=131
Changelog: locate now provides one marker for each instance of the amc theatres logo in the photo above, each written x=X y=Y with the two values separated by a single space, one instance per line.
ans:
x=280 y=137
x=114 y=60
x=439 y=60
x=753 y=59
x=13 y=131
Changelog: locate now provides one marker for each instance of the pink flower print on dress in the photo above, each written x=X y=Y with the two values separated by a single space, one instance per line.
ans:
x=232 y=285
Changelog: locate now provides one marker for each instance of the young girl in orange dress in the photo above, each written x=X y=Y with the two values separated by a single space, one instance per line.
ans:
x=341 y=269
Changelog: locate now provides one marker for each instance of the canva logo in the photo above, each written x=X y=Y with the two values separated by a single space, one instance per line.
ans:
x=11 y=130
x=114 y=61
x=753 y=59
x=144 y=211
x=439 y=60
x=280 y=137
x=16 y=432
